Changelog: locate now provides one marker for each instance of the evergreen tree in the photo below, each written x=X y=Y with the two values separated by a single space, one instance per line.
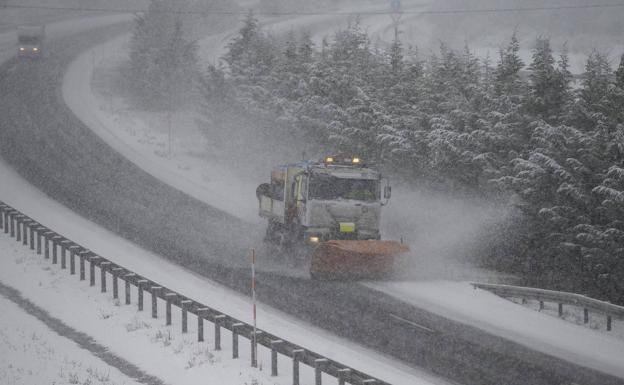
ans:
x=453 y=123
x=546 y=93
x=306 y=48
x=396 y=54
x=564 y=84
x=242 y=43
x=596 y=81
x=163 y=62
x=507 y=72
x=619 y=74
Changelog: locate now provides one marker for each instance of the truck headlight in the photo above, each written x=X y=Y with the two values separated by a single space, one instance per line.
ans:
x=313 y=239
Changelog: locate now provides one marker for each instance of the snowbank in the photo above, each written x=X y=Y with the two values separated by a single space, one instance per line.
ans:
x=458 y=301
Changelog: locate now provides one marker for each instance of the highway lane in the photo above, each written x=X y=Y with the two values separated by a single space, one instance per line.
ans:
x=51 y=148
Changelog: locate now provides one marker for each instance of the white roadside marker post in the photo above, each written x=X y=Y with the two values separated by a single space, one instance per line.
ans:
x=254 y=348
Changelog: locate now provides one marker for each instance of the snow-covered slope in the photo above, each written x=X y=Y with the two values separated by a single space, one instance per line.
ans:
x=34 y=354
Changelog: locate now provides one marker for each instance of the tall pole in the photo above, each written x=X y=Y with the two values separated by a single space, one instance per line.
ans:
x=254 y=355
x=395 y=6
x=170 y=129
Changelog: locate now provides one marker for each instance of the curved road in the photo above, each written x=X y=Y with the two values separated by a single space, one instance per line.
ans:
x=51 y=148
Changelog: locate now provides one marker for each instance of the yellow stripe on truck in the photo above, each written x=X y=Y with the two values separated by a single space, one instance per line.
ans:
x=347 y=227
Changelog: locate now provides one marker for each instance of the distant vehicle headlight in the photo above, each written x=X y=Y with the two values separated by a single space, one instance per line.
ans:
x=36 y=49
x=313 y=239
x=22 y=48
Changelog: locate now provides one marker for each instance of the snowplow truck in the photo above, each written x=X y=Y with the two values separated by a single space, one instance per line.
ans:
x=331 y=209
x=30 y=40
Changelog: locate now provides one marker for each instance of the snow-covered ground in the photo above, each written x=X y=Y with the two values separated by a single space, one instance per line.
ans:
x=161 y=351
x=34 y=354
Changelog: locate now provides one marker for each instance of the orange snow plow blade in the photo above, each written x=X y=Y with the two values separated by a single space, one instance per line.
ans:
x=355 y=259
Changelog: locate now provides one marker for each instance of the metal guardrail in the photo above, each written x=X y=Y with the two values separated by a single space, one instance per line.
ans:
x=561 y=298
x=47 y=242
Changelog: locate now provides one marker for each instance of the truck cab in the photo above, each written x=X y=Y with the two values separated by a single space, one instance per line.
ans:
x=30 y=40
x=337 y=198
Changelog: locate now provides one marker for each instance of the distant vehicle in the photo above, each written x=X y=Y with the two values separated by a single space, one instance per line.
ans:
x=30 y=40
x=332 y=208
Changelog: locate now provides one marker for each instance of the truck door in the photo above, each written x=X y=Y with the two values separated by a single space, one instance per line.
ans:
x=301 y=196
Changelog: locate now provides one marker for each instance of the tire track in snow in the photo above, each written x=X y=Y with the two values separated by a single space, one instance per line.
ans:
x=81 y=339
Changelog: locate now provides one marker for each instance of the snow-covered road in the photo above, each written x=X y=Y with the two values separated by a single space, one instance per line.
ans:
x=455 y=300
x=423 y=295
x=16 y=191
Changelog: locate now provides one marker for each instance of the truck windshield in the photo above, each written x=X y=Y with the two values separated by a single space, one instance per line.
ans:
x=327 y=187
x=29 y=40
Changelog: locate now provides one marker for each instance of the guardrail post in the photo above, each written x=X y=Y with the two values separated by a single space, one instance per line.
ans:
x=64 y=253
x=169 y=297
x=585 y=315
x=2 y=207
x=235 y=328
x=115 y=273
x=103 y=267
x=12 y=223
x=55 y=244
x=200 y=324
x=254 y=348
x=541 y=305
x=40 y=231
x=319 y=364
x=344 y=375
x=18 y=224
x=83 y=255
x=184 y=305
x=217 y=331
x=26 y=224
x=46 y=239
x=32 y=235
x=6 y=220
x=72 y=259
x=23 y=228
x=560 y=310
x=140 y=284
x=274 y=356
x=297 y=354
x=608 y=323
x=155 y=290
x=92 y=270
x=127 y=279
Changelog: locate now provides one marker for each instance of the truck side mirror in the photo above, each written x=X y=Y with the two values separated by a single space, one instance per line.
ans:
x=387 y=192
